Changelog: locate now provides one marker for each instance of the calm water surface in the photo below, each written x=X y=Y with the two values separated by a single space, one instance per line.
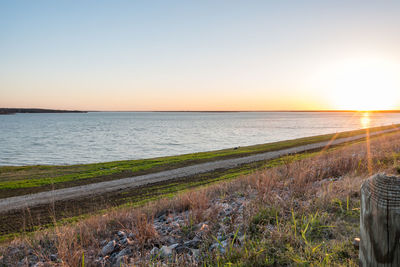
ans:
x=70 y=138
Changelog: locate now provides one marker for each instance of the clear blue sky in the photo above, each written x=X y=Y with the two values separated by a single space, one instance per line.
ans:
x=197 y=55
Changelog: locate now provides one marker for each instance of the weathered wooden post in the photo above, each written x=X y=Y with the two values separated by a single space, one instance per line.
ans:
x=380 y=221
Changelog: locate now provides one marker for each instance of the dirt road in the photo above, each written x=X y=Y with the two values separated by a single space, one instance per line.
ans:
x=31 y=200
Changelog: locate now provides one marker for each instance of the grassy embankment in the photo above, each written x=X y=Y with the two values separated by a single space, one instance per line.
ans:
x=302 y=212
x=16 y=180
x=28 y=179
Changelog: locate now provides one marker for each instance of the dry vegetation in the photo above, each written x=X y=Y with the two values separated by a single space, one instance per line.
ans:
x=301 y=212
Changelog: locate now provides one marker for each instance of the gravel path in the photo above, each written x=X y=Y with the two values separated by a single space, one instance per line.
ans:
x=31 y=200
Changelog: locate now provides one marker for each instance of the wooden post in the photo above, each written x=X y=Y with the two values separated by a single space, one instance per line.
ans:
x=380 y=221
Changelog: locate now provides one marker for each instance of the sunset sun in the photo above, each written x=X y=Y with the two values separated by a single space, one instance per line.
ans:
x=363 y=84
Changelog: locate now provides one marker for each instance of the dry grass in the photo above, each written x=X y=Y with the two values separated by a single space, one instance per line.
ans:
x=294 y=191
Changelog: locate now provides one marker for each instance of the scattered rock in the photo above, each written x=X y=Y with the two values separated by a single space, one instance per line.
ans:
x=162 y=218
x=132 y=236
x=119 y=261
x=107 y=249
x=39 y=264
x=220 y=246
x=165 y=252
x=183 y=249
x=121 y=234
x=196 y=253
x=155 y=251
x=173 y=246
x=23 y=262
x=220 y=237
x=123 y=241
x=125 y=251
x=194 y=243
x=53 y=257
x=171 y=240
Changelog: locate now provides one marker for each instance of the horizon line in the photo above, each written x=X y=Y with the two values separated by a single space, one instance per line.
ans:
x=220 y=111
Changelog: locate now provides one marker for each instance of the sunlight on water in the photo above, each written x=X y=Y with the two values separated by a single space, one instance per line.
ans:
x=365 y=120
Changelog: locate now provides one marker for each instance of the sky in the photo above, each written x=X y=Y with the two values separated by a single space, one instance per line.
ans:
x=200 y=55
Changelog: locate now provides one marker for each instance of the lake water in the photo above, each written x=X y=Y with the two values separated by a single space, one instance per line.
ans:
x=69 y=138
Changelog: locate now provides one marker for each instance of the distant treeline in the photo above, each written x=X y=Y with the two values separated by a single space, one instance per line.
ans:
x=35 y=110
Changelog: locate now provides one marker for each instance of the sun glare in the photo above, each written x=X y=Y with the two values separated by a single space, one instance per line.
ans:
x=363 y=84
x=365 y=120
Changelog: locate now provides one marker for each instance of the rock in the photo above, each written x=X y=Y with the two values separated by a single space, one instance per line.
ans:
x=240 y=210
x=174 y=224
x=119 y=262
x=33 y=258
x=165 y=252
x=132 y=236
x=196 y=253
x=194 y=243
x=180 y=222
x=125 y=251
x=173 y=246
x=220 y=237
x=183 y=249
x=178 y=218
x=53 y=257
x=121 y=234
x=155 y=251
x=23 y=262
x=228 y=211
x=113 y=256
x=218 y=246
x=170 y=240
x=126 y=241
x=162 y=218
x=123 y=241
x=107 y=249
x=103 y=243
x=39 y=264
x=13 y=252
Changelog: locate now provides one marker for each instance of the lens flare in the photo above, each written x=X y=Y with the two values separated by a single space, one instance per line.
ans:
x=365 y=120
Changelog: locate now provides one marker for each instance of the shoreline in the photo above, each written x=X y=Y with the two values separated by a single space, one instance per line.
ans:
x=18 y=202
x=282 y=142
x=12 y=111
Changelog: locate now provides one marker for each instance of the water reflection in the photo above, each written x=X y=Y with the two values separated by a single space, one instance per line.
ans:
x=365 y=120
